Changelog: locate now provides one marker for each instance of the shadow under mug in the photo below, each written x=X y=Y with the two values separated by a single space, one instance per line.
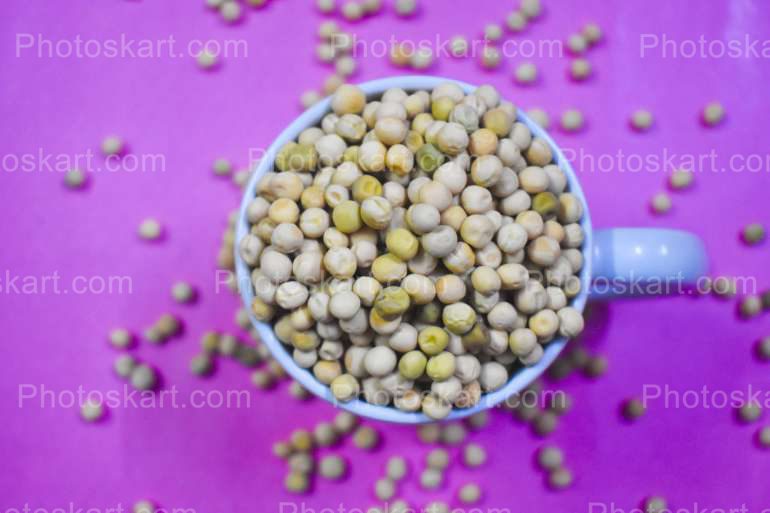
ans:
x=617 y=261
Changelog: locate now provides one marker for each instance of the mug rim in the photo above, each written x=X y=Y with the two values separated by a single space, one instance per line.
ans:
x=519 y=380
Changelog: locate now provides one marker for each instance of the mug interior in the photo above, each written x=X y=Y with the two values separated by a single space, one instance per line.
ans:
x=519 y=379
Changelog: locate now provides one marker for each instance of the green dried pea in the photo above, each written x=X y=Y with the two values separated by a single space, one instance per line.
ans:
x=429 y=158
x=391 y=303
x=432 y=340
x=412 y=365
x=546 y=204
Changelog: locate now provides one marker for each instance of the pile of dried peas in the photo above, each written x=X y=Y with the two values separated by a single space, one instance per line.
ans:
x=416 y=248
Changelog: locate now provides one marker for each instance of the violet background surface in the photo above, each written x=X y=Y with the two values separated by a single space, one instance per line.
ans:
x=220 y=459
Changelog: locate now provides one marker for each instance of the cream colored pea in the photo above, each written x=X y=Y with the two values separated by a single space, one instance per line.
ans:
x=390 y=131
x=365 y=253
x=405 y=8
x=150 y=229
x=450 y=289
x=516 y=21
x=283 y=210
x=366 y=288
x=124 y=365
x=544 y=323
x=490 y=57
x=580 y=69
x=502 y=316
x=458 y=46
x=461 y=259
x=437 y=409
x=486 y=170
x=467 y=368
x=493 y=32
x=452 y=176
x=713 y=114
x=371 y=156
x=333 y=238
x=422 y=58
x=522 y=341
x=512 y=237
x=570 y=208
x=335 y=194
x=483 y=142
x=571 y=322
x=326 y=372
x=476 y=200
x=493 y=376
x=513 y=276
x=531 y=298
x=420 y=288
x=592 y=33
x=641 y=120
x=348 y=99
x=112 y=145
x=404 y=339
x=388 y=268
x=753 y=233
x=351 y=127
x=572 y=120
x=344 y=304
x=526 y=73
x=380 y=361
x=275 y=266
x=539 y=153
x=144 y=506
x=230 y=11
x=440 y=242
x=422 y=218
x=543 y=251
x=454 y=217
x=681 y=179
x=345 y=387
x=345 y=422
x=314 y=222
x=143 y=377
x=660 y=203
x=577 y=44
x=340 y=262
x=291 y=295
x=532 y=222
x=287 y=238
x=75 y=179
x=376 y=212
x=533 y=179
x=452 y=138
x=485 y=280
x=121 y=338
x=92 y=410
x=477 y=230
x=394 y=192
x=399 y=159
x=327 y=7
x=330 y=149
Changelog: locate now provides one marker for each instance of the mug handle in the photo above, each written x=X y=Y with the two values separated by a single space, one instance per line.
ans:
x=645 y=261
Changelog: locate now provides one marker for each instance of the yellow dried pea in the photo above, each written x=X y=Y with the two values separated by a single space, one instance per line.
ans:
x=347 y=217
x=388 y=268
x=391 y=303
x=432 y=340
x=402 y=243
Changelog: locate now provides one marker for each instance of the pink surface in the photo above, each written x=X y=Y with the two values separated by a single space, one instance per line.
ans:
x=219 y=459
